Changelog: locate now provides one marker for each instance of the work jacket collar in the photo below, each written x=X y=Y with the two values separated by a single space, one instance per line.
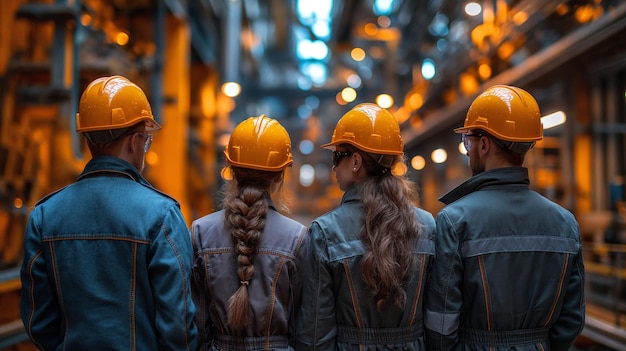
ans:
x=112 y=166
x=508 y=176
x=352 y=194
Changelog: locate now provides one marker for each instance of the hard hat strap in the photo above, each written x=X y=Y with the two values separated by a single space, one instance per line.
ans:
x=107 y=136
x=517 y=147
x=384 y=160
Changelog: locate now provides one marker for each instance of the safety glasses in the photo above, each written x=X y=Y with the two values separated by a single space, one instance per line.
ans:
x=148 y=142
x=338 y=155
x=466 y=141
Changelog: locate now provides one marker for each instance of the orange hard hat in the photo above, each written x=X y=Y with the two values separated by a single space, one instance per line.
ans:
x=259 y=143
x=113 y=103
x=370 y=128
x=508 y=113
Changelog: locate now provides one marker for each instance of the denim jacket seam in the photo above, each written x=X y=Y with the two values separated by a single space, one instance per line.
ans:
x=32 y=295
x=96 y=237
x=181 y=266
x=133 y=286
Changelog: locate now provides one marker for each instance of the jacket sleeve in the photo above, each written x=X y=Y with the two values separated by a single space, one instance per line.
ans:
x=443 y=298
x=199 y=293
x=170 y=273
x=39 y=308
x=316 y=327
x=571 y=320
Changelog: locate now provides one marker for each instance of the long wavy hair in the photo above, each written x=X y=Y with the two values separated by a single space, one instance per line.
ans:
x=246 y=202
x=389 y=230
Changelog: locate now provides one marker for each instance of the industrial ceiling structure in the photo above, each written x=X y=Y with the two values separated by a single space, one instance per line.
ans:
x=293 y=59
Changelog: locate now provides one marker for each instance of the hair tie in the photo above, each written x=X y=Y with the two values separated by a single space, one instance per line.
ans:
x=245 y=282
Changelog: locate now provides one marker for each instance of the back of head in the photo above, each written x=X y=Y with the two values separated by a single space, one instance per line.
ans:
x=111 y=105
x=507 y=113
x=258 y=151
x=389 y=223
x=259 y=143
x=372 y=129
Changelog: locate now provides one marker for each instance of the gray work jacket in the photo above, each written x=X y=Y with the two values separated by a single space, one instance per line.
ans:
x=508 y=272
x=274 y=290
x=338 y=310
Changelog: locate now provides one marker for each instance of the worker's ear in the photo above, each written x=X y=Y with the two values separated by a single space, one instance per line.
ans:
x=135 y=143
x=357 y=161
x=485 y=144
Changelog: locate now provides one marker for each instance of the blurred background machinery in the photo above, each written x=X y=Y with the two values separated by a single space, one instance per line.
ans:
x=208 y=64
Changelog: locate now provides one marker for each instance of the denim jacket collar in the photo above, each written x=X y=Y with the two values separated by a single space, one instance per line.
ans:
x=351 y=195
x=508 y=176
x=115 y=165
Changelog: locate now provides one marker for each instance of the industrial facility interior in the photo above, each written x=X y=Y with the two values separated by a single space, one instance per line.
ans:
x=208 y=64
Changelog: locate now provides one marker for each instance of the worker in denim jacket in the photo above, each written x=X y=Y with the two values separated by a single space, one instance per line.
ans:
x=107 y=259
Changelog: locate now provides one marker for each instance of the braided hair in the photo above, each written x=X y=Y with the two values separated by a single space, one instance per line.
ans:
x=246 y=203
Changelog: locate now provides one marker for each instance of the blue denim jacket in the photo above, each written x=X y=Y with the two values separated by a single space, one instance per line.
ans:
x=107 y=264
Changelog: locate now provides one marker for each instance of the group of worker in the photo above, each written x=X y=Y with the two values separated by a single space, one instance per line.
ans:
x=110 y=264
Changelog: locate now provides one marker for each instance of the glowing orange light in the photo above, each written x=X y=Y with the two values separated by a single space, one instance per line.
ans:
x=340 y=99
x=226 y=173
x=357 y=54
x=562 y=9
x=152 y=158
x=506 y=50
x=418 y=162
x=399 y=169
x=86 y=19
x=121 y=38
x=584 y=14
x=468 y=83
x=520 y=17
x=370 y=29
x=415 y=101
x=484 y=71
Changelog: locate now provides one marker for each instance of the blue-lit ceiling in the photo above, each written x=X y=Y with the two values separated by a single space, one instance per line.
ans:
x=423 y=54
